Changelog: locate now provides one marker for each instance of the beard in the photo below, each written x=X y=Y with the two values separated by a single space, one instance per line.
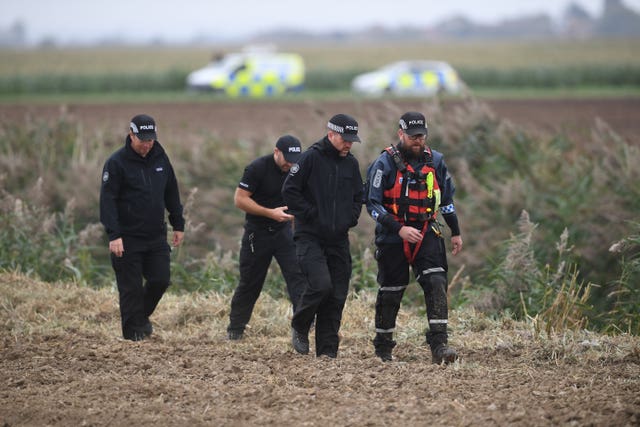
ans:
x=408 y=154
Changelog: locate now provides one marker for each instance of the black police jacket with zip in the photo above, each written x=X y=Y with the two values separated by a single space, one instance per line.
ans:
x=136 y=191
x=324 y=192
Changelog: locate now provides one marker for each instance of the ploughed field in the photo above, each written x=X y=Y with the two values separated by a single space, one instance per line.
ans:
x=253 y=120
x=63 y=363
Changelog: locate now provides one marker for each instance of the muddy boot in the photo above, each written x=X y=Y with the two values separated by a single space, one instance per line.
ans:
x=440 y=352
x=300 y=342
x=384 y=346
x=234 y=335
x=384 y=353
x=443 y=353
x=147 y=329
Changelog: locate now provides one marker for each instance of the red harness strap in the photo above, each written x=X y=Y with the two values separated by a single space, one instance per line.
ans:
x=407 y=246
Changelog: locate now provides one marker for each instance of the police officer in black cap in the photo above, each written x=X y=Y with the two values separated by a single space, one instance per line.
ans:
x=267 y=232
x=324 y=193
x=408 y=185
x=138 y=185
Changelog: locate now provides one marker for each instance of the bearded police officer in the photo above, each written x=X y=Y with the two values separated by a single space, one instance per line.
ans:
x=406 y=187
x=138 y=185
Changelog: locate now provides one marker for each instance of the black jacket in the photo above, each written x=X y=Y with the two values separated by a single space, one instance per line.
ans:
x=136 y=191
x=324 y=192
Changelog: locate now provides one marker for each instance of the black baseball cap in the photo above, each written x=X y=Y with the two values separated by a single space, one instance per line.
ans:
x=290 y=147
x=413 y=123
x=144 y=127
x=345 y=125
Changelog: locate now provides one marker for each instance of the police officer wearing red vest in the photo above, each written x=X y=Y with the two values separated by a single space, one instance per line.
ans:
x=407 y=186
x=267 y=232
x=138 y=186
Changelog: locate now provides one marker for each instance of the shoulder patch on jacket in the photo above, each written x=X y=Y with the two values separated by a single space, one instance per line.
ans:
x=105 y=176
x=377 y=179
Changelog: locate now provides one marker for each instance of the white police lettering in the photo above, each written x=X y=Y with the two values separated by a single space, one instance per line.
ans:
x=243 y=185
x=416 y=122
x=147 y=127
x=294 y=149
x=377 y=179
x=340 y=129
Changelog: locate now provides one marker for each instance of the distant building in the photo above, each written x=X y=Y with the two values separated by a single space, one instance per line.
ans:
x=617 y=20
x=14 y=36
x=577 y=23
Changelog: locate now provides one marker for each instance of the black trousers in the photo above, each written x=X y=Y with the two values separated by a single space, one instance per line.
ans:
x=257 y=250
x=430 y=270
x=327 y=267
x=146 y=260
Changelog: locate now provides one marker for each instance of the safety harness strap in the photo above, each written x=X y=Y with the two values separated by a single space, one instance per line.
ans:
x=411 y=255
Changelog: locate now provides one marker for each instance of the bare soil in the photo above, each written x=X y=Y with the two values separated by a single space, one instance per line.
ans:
x=62 y=361
x=260 y=120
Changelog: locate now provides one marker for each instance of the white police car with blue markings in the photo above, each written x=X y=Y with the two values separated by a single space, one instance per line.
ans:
x=250 y=74
x=409 y=78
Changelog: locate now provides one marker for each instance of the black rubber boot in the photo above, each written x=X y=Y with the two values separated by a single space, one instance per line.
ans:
x=234 y=335
x=440 y=352
x=384 y=344
x=148 y=328
x=300 y=342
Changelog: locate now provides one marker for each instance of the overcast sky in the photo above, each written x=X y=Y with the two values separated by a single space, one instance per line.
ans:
x=181 y=20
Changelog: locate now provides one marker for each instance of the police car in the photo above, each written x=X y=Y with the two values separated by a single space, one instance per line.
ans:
x=409 y=78
x=250 y=74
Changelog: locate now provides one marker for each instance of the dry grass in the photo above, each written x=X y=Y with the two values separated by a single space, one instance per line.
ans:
x=31 y=307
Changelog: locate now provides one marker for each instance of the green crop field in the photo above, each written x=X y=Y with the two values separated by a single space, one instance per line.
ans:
x=546 y=66
x=479 y=55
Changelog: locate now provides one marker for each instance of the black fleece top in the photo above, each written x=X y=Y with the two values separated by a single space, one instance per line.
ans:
x=324 y=192
x=136 y=191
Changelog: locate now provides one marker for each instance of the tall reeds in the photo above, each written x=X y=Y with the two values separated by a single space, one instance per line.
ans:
x=584 y=192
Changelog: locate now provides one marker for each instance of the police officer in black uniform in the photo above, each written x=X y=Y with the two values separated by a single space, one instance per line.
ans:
x=324 y=192
x=138 y=185
x=267 y=232
x=407 y=184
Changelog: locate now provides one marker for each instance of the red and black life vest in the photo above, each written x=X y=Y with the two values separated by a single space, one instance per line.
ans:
x=415 y=196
